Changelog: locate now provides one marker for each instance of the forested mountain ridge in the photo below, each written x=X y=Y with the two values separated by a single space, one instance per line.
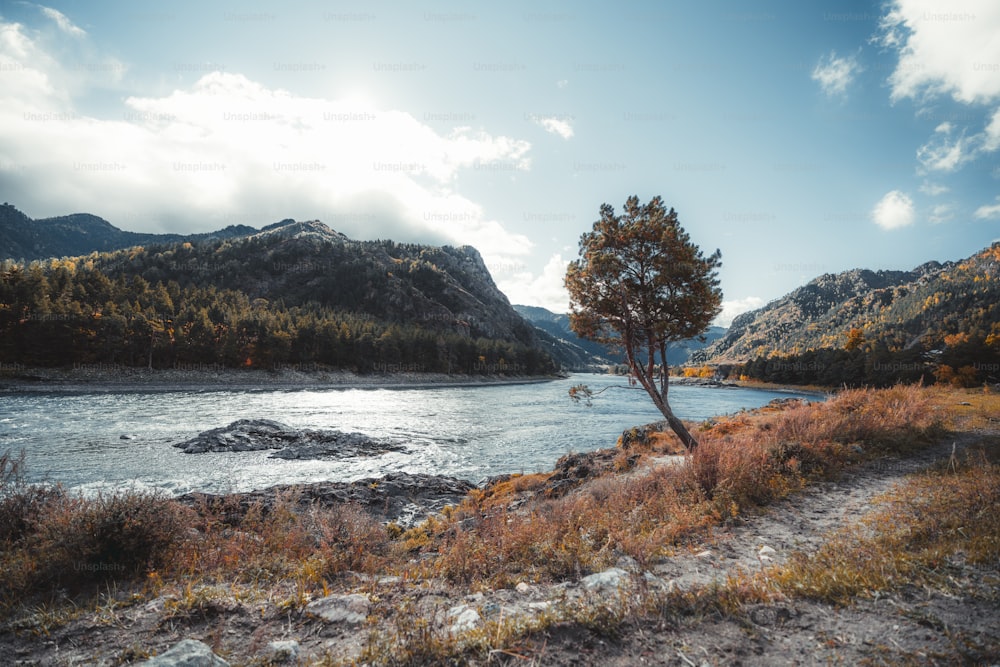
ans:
x=937 y=315
x=291 y=293
x=77 y=234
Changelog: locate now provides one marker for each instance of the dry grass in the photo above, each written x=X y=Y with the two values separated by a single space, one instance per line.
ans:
x=56 y=546
x=742 y=461
x=972 y=409
x=510 y=532
x=263 y=545
x=915 y=536
x=52 y=541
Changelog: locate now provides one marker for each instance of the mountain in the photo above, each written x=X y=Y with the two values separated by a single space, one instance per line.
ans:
x=78 y=234
x=682 y=353
x=294 y=292
x=563 y=345
x=895 y=310
x=589 y=354
x=440 y=288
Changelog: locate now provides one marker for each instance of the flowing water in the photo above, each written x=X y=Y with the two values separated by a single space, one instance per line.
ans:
x=469 y=432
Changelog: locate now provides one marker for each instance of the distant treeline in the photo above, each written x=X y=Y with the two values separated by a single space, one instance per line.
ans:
x=58 y=313
x=965 y=360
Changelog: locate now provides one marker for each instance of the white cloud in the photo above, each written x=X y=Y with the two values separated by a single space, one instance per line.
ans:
x=562 y=83
x=43 y=70
x=948 y=150
x=944 y=48
x=991 y=136
x=942 y=213
x=835 y=74
x=988 y=211
x=556 y=125
x=947 y=49
x=546 y=290
x=893 y=211
x=231 y=150
x=730 y=309
x=63 y=22
x=933 y=189
x=944 y=153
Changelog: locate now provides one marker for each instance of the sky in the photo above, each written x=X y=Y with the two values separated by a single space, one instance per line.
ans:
x=797 y=138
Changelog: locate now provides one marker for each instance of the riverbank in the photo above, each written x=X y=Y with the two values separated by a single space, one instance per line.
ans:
x=713 y=383
x=802 y=389
x=609 y=559
x=109 y=378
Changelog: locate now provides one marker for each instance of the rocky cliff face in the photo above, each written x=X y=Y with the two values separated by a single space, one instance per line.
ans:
x=897 y=308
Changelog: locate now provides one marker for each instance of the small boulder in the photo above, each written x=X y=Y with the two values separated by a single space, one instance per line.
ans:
x=639 y=436
x=350 y=609
x=187 y=653
x=612 y=579
x=463 y=618
x=282 y=651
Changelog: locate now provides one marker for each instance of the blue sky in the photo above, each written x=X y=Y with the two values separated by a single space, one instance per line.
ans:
x=798 y=138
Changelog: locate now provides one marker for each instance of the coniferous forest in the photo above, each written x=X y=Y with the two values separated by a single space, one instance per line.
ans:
x=943 y=328
x=296 y=295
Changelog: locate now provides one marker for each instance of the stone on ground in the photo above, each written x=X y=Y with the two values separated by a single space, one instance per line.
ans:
x=187 y=653
x=350 y=609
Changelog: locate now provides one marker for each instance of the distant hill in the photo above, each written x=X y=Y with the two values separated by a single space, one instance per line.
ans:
x=897 y=307
x=294 y=292
x=950 y=309
x=78 y=234
x=571 y=351
x=595 y=354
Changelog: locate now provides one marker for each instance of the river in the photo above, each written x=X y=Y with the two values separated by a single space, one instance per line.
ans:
x=469 y=432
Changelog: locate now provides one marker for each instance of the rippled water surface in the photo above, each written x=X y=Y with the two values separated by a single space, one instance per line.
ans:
x=468 y=432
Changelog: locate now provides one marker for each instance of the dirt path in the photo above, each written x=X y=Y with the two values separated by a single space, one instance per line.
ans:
x=920 y=627
x=800 y=522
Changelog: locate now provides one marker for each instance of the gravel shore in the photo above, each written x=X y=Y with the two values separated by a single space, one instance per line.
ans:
x=119 y=379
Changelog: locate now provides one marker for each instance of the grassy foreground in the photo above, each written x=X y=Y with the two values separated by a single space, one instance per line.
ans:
x=62 y=557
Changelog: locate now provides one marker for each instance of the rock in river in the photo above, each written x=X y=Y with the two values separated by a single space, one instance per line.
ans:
x=248 y=435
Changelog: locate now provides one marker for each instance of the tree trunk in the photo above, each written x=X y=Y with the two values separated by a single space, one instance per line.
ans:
x=648 y=382
x=677 y=426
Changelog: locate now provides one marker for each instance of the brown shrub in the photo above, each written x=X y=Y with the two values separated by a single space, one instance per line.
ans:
x=898 y=419
x=20 y=502
x=547 y=542
x=74 y=543
x=260 y=543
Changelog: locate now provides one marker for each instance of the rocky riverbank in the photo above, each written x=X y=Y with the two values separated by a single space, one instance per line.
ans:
x=113 y=378
x=402 y=498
